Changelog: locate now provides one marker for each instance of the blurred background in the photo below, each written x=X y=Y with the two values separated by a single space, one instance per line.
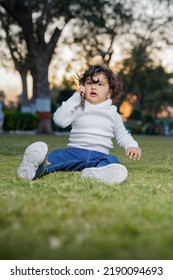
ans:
x=45 y=44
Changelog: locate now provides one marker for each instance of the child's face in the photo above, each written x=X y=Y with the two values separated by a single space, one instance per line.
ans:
x=97 y=89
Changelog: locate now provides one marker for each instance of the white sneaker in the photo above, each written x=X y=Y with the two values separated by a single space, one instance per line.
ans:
x=33 y=161
x=109 y=174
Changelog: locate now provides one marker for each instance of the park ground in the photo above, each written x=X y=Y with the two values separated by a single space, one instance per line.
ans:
x=62 y=216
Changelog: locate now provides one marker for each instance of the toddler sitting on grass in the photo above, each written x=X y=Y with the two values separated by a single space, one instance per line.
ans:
x=94 y=123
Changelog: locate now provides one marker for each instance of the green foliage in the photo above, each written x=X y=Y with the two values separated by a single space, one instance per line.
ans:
x=148 y=82
x=61 y=216
x=136 y=115
x=134 y=127
x=20 y=121
x=148 y=118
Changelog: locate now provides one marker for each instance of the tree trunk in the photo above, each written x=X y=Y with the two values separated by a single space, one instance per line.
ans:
x=41 y=94
x=25 y=104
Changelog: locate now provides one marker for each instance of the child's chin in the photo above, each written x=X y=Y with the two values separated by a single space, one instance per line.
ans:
x=93 y=102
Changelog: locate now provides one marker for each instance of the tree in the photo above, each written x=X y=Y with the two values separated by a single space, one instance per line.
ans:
x=42 y=23
x=152 y=89
x=18 y=52
x=146 y=36
x=95 y=39
x=131 y=67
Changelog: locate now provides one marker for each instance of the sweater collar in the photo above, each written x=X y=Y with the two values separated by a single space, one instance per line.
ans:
x=103 y=105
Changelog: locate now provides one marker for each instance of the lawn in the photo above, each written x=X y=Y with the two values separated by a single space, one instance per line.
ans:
x=61 y=216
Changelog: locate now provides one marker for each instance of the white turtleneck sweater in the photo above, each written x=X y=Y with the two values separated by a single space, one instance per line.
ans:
x=93 y=127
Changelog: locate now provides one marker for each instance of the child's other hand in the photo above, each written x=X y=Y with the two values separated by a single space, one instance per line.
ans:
x=133 y=153
x=81 y=89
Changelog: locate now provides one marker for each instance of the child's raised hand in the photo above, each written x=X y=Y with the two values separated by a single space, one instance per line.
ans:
x=133 y=153
x=81 y=89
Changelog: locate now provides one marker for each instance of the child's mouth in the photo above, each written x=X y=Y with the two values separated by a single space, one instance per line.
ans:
x=93 y=94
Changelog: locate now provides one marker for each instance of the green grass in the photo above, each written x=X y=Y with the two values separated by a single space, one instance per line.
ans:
x=61 y=216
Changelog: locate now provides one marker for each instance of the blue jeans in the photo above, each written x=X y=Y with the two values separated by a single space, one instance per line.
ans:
x=76 y=159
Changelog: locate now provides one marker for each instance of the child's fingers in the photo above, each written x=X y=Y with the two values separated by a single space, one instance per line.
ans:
x=129 y=154
x=133 y=154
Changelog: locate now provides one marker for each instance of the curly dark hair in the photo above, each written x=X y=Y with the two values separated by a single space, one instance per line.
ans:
x=114 y=81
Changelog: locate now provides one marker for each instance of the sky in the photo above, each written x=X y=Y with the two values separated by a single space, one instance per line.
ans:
x=10 y=83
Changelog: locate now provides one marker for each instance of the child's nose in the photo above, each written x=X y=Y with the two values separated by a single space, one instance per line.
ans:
x=93 y=85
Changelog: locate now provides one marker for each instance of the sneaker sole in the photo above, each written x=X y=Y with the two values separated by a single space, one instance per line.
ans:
x=33 y=156
x=109 y=174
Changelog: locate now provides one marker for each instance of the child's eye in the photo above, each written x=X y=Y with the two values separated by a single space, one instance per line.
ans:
x=88 y=83
x=100 y=84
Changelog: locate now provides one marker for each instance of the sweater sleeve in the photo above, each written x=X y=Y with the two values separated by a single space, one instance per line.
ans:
x=122 y=136
x=67 y=112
